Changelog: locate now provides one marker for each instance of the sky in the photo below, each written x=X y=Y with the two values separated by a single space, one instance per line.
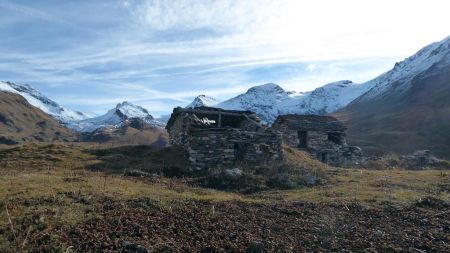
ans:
x=89 y=55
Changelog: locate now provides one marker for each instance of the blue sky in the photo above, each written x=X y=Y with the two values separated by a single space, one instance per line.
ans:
x=91 y=55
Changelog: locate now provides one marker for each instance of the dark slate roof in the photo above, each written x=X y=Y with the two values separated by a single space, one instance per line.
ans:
x=311 y=123
x=178 y=110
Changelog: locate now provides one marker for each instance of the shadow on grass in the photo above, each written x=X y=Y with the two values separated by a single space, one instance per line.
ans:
x=169 y=161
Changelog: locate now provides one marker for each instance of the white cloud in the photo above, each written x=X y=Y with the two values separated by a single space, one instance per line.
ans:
x=231 y=16
x=311 y=67
x=307 y=27
x=179 y=48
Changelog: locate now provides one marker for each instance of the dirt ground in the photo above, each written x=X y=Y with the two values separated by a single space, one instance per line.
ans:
x=52 y=202
x=203 y=226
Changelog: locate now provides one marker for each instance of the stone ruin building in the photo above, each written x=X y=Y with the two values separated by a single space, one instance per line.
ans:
x=321 y=136
x=222 y=138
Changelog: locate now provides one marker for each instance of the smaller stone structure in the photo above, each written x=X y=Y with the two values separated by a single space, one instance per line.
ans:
x=322 y=136
x=223 y=138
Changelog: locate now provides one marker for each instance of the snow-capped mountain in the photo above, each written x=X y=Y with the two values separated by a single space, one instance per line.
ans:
x=122 y=114
x=404 y=71
x=328 y=98
x=21 y=122
x=408 y=107
x=266 y=100
x=270 y=100
x=202 y=100
x=37 y=99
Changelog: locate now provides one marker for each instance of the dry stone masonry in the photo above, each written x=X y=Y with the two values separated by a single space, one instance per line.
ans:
x=321 y=136
x=223 y=138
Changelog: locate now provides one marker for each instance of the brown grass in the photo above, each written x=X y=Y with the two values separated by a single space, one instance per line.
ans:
x=302 y=160
x=373 y=187
x=53 y=185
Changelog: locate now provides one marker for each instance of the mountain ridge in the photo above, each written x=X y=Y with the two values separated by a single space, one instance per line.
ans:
x=116 y=118
x=22 y=122
x=37 y=99
x=408 y=108
x=270 y=100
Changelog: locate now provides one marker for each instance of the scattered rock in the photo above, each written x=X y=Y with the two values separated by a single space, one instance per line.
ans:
x=431 y=202
x=310 y=180
x=129 y=247
x=137 y=173
x=233 y=173
x=421 y=158
x=255 y=247
x=244 y=227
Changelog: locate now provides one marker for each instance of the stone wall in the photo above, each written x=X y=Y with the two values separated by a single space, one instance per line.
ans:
x=237 y=140
x=210 y=148
x=319 y=145
x=177 y=132
x=325 y=150
x=319 y=140
x=290 y=137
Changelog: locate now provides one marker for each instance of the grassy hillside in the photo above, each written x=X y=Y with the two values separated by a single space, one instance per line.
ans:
x=128 y=135
x=22 y=122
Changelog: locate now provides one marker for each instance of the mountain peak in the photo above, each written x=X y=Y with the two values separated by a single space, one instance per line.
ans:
x=413 y=99
x=42 y=102
x=404 y=71
x=123 y=114
x=267 y=87
x=263 y=99
x=130 y=110
x=124 y=103
x=202 y=100
x=270 y=100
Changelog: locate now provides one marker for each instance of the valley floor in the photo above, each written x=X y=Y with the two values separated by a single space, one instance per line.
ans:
x=54 y=201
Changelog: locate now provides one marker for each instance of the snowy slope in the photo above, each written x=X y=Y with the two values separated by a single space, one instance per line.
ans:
x=408 y=107
x=116 y=118
x=404 y=71
x=202 y=100
x=327 y=99
x=266 y=100
x=37 y=99
x=270 y=100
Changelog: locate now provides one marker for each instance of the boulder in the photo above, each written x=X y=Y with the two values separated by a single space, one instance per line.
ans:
x=130 y=247
x=233 y=173
x=255 y=247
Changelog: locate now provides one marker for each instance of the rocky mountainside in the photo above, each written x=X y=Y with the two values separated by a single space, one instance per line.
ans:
x=22 y=122
x=37 y=99
x=270 y=100
x=123 y=114
x=408 y=107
